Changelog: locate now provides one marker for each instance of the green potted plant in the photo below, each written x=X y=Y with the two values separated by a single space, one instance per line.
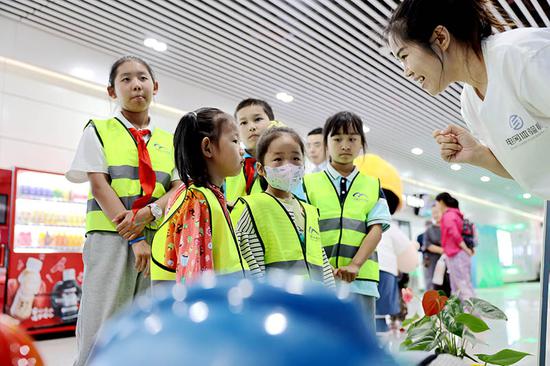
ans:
x=450 y=326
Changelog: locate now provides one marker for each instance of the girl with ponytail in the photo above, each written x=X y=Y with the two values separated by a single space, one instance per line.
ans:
x=196 y=235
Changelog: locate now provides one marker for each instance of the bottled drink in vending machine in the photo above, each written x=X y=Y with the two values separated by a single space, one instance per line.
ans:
x=66 y=297
x=29 y=284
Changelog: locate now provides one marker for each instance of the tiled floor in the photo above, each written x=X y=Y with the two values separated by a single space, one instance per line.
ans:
x=519 y=302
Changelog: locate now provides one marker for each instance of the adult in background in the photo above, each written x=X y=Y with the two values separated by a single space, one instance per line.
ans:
x=455 y=249
x=315 y=151
x=431 y=247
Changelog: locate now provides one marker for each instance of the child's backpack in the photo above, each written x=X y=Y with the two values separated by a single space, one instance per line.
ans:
x=469 y=234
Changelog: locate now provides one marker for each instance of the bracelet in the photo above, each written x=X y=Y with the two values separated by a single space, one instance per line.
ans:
x=133 y=241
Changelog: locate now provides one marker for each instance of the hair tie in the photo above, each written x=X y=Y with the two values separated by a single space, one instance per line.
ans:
x=276 y=123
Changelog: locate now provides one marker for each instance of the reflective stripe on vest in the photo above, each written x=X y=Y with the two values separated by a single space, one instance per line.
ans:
x=227 y=258
x=279 y=236
x=122 y=160
x=235 y=187
x=343 y=224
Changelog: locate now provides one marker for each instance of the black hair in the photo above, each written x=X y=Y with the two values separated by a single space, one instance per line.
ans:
x=392 y=200
x=447 y=199
x=316 y=131
x=469 y=21
x=120 y=61
x=192 y=129
x=262 y=103
x=271 y=134
x=348 y=122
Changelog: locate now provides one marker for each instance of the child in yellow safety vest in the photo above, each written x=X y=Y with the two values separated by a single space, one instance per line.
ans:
x=197 y=235
x=352 y=207
x=277 y=231
x=130 y=167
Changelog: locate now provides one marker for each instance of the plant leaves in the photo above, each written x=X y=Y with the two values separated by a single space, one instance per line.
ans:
x=504 y=358
x=473 y=323
x=423 y=331
x=420 y=345
x=435 y=342
x=451 y=324
x=471 y=337
x=468 y=305
x=405 y=344
x=454 y=306
x=419 y=323
x=487 y=310
x=409 y=321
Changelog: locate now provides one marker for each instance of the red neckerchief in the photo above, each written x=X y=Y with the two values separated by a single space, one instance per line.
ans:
x=249 y=173
x=147 y=176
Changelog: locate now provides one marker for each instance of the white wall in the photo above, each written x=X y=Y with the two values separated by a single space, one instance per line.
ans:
x=41 y=118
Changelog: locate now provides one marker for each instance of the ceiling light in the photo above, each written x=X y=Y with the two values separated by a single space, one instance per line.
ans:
x=456 y=167
x=527 y=196
x=485 y=179
x=366 y=129
x=150 y=42
x=417 y=151
x=285 y=97
x=156 y=45
x=160 y=47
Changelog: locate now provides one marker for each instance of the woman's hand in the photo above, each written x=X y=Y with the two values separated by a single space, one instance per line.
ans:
x=457 y=145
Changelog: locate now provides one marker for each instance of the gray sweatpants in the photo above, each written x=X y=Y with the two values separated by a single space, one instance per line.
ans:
x=110 y=282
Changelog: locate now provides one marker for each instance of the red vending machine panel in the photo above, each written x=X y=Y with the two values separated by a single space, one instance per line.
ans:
x=5 y=191
x=45 y=262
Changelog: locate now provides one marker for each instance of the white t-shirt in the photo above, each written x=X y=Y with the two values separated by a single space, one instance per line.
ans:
x=311 y=167
x=90 y=157
x=393 y=243
x=514 y=119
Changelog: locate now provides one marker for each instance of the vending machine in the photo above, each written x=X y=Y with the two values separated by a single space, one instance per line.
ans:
x=42 y=260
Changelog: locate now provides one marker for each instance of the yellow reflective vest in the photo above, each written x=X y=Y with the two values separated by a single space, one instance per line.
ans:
x=227 y=258
x=343 y=224
x=235 y=187
x=283 y=246
x=121 y=154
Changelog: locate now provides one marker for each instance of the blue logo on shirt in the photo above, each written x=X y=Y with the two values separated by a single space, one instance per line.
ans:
x=516 y=123
x=159 y=147
x=314 y=233
x=360 y=196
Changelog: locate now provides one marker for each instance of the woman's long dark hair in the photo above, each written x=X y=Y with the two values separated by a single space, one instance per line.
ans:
x=469 y=21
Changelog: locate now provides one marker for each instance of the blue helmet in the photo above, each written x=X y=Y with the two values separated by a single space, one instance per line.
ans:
x=240 y=322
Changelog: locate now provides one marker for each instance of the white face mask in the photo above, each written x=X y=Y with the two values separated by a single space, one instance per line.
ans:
x=285 y=178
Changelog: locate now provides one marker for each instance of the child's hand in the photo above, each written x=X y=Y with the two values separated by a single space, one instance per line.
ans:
x=130 y=227
x=142 y=252
x=347 y=273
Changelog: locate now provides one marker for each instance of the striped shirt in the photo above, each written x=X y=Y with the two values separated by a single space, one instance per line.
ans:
x=253 y=252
